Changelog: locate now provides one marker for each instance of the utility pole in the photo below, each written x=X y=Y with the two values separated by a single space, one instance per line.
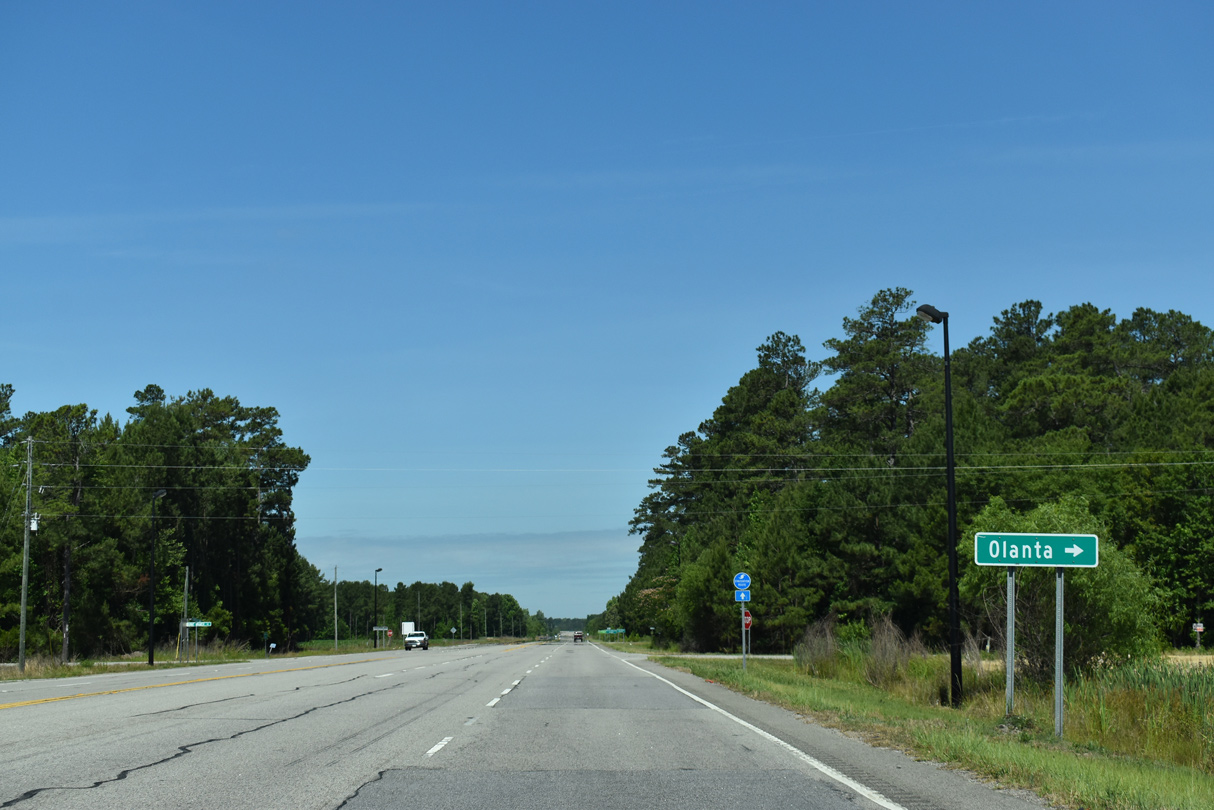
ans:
x=375 y=594
x=185 y=617
x=25 y=557
x=335 y=608
x=152 y=586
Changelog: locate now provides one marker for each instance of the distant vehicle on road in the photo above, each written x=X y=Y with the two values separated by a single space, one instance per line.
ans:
x=577 y=636
x=417 y=638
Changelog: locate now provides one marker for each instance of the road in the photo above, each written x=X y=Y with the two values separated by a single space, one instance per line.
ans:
x=536 y=726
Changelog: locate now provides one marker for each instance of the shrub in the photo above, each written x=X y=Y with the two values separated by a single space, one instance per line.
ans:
x=815 y=653
x=1108 y=611
x=890 y=653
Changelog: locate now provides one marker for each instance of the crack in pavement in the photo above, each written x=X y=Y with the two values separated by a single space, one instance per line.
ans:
x=327 y=683
x=191 y=706
x=418 y=711
x=354 y=795
x=243 y=697
x=182 y=750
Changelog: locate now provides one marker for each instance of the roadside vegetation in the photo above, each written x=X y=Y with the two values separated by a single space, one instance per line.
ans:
x=833 y=500
x=214 y=652
x=1138 y=734
x=822 y=475
x=207 y=483
x=48 y=666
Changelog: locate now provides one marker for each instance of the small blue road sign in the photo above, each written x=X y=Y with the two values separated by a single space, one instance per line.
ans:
x=741 y=581
x=741 y=595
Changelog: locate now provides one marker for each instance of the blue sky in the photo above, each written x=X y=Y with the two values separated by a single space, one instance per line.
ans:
x=488 y=260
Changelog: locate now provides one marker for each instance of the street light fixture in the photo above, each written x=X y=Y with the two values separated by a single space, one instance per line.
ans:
x=157 y=495
x=375 y=588
x=933 y=315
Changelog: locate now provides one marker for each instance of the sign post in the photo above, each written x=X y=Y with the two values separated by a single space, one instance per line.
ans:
x=747 y=621
x=1199 y=628
x=1058 y=707
x=188 y=624
x=1010 y=656
x=1057 y=551
x=741 y=595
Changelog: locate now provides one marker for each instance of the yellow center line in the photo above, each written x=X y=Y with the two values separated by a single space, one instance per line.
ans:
x=180 y=683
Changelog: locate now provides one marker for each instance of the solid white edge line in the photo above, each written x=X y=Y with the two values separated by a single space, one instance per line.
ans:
x=439 y=747
x=839 y=777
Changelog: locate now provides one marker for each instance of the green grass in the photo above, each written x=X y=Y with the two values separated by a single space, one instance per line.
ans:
x=216 y=652
x=1020 y=751
x=1155 y=709
x=641 y=645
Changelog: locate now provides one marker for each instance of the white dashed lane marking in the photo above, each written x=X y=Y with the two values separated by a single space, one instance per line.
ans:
x=439 y=747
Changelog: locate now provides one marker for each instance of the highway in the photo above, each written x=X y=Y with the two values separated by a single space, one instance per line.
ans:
x=541 y=725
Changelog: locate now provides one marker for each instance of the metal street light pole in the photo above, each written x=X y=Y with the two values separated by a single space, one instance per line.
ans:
x=375 y=624
x=157 y=495
x=930 y=313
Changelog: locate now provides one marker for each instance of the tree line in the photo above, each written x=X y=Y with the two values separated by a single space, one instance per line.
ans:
x=435 y=608
x=833 y=497
x=206 y=484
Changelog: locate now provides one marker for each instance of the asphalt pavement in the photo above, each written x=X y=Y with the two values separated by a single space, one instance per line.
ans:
x=556 y=725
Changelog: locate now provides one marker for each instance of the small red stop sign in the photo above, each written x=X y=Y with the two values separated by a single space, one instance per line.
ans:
x=746 y=619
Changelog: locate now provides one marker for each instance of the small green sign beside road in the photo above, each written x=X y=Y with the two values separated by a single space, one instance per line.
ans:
x=1039 y=550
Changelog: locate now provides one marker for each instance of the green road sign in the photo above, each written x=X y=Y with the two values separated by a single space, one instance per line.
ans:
x=1039 y=550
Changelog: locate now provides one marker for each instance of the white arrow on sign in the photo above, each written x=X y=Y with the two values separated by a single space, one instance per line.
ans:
x=1074 y=551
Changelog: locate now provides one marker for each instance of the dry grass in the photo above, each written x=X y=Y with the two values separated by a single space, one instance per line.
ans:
x=1191 y=658
x=1162 y=710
